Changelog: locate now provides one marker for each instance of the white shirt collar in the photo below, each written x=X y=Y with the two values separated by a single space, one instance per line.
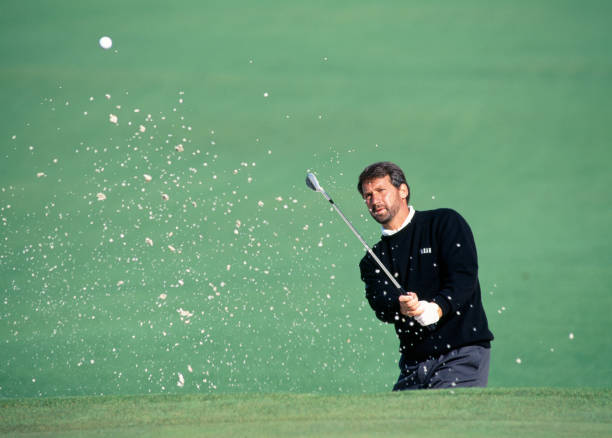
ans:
x=386 y=232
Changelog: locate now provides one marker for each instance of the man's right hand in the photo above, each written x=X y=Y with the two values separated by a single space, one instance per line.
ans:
x=409 y=305
x=424 y=312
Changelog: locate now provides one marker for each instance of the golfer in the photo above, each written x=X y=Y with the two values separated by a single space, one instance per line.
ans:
x=440 y=321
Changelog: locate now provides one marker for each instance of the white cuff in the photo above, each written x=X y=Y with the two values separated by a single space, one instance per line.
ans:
x=430 y=314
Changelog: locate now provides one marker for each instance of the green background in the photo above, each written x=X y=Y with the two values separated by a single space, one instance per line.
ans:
x=499 y=110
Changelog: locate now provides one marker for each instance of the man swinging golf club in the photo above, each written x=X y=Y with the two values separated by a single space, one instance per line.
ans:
x=440 y=321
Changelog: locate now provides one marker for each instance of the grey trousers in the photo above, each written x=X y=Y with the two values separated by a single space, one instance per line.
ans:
x=463 y=367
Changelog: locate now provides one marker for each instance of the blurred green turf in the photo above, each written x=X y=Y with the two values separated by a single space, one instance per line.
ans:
x=499 y=110
x=462 y=413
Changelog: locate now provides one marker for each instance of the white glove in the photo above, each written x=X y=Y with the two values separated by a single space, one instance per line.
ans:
x=429 y=315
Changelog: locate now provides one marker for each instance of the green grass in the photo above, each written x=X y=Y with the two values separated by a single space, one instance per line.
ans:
x=458 y=413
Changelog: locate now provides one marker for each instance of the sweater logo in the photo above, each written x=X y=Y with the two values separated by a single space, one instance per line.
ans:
x=425 y=251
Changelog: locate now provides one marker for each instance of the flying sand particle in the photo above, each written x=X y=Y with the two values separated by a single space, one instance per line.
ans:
x=184 y=313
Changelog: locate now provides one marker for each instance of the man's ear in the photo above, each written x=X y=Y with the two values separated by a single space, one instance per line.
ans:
x=404 y=191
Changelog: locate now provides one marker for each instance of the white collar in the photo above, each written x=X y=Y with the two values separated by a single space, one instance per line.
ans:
x=386 y=232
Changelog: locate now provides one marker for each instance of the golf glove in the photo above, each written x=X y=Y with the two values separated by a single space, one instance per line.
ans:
x=430 y=314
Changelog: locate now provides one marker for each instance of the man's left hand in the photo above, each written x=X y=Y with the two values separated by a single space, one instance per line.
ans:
x=430 y=315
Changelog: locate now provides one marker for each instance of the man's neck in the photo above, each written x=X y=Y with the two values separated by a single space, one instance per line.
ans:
x=400 y=220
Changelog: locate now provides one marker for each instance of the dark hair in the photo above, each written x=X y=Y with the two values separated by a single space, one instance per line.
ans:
x=380 y=170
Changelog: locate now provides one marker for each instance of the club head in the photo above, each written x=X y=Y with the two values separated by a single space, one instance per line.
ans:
x=311 y=181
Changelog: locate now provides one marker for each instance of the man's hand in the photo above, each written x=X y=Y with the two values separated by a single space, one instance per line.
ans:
x=409 y=305
x=424 y=312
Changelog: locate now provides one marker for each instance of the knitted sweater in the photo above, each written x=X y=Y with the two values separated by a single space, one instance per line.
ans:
x=435 y=257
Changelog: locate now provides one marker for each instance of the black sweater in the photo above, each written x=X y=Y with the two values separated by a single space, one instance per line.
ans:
x=435 y=257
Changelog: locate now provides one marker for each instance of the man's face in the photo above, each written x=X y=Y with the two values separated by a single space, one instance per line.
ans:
x=383 y=199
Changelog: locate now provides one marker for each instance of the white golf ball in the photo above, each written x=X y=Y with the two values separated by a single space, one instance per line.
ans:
x=106 y=42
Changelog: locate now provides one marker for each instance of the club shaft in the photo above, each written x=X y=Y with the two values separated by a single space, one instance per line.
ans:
x=312 y=182
x=382 y=266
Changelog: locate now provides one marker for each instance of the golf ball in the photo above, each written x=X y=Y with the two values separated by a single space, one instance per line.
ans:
x=106 y=42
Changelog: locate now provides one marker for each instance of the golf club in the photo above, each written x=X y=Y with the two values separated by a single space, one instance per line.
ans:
x=311 y=182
